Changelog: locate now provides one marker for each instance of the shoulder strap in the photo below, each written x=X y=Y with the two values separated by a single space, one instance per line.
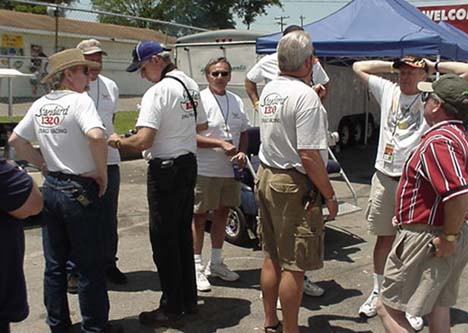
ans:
x=188 y=94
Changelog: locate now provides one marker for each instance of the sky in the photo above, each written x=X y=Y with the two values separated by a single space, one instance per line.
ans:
x=311 y=10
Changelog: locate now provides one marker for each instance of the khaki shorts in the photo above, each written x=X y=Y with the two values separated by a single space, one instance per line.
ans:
x=216 y=192
x=289 y=234
x=381 y=207
x=415 y=279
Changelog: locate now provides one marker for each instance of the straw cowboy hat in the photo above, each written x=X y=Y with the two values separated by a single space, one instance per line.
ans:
x=67 y=59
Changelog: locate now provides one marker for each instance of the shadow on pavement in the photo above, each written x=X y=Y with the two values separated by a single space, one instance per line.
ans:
x=249 y=279
x=322 y=324
x=358 y=162
x=458 y=316
x=215 y=313
x=138 y=281
x=338 y=242
x=334 y=294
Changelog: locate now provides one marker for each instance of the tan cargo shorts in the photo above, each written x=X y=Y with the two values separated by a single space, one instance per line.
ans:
x=415 y=280
x=216 y=192
x=289 y=234
x=381 y=207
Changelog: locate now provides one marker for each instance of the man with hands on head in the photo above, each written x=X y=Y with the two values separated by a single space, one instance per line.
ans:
x=221 y=146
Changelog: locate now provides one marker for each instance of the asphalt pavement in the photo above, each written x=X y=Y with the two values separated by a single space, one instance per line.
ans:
x=236 y=306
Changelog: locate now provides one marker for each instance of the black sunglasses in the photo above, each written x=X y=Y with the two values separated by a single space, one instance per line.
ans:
x=426 y=95
x=217 y=73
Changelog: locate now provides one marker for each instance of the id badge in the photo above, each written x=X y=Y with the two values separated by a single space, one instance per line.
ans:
x=388 y=152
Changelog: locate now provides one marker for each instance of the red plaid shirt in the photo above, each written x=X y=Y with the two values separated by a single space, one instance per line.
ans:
x=435 y=172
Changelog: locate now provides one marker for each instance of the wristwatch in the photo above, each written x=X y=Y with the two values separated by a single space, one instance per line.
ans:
x=450 y=237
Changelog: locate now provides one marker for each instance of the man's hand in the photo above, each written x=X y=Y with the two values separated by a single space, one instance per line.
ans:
x=444 y=248
x=112 y=139
x=321 y=90
x=229 y=148
x=240 y=158
x=101 y=180
x=332 y=205
x=430 y=65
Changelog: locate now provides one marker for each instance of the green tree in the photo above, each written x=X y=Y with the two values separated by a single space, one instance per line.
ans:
x=248 y=10
x=36 y=9
x=211 y=14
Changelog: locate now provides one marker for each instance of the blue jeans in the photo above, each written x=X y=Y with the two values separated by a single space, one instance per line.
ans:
x=76 y=232
x=110 y=201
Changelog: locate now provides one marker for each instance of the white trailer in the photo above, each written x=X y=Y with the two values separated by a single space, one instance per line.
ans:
x=346 y=103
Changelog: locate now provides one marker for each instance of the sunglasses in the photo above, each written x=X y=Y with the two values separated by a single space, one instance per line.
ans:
x=425 y=96
x=217 y=73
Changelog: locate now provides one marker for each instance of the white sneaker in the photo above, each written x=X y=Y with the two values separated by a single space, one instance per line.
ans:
x=367 y=309
x=221 y=271
x=202 y=282
x=278 y=303
x=312 y=289
x=416 y=323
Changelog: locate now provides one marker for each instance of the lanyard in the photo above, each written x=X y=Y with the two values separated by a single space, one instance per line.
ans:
x=225 y=115
x=398 y=118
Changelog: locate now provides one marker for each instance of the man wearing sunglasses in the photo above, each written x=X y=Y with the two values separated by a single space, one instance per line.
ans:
x=401 y=127
x=170 y=117
x=220 y=148
x=422 y=273
x=73 y=157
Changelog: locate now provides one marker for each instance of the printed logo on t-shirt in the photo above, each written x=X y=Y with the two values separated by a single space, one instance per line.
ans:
x=272 y=104
x=186 y=104
x=50 y=116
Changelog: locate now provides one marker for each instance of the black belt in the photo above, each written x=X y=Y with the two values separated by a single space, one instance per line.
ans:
x=169 y=162
x=396 y=178
x=69 y=176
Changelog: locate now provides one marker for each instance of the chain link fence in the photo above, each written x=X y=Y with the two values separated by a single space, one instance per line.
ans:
x=27 y=39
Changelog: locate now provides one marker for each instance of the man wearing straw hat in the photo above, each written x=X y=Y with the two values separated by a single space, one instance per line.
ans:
x=74 y=152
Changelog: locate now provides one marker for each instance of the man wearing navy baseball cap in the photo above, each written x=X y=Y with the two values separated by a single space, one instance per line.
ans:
x=143 y=51
x=171 y=114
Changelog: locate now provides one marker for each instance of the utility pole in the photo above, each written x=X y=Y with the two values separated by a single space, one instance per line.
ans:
x=281 y=21
x=302 y=17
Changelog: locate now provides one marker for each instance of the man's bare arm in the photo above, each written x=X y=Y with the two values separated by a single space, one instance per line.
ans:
x=25 y=150
x=365 y=68
x=98 y=146
x=252 y=92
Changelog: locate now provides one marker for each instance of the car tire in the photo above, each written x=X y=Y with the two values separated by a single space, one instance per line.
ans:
x=346 y=132
x=236 y=227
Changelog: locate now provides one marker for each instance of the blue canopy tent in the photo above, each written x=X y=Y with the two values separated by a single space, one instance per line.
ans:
x=376 y=28
x=461 y=36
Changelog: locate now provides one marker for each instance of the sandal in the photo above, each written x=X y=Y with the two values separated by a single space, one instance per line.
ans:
x=278 y=328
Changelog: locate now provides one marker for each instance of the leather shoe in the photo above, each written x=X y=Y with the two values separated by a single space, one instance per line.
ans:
x=159 y=317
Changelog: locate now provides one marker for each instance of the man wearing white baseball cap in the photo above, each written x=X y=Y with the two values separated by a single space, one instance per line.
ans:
x=105 y=95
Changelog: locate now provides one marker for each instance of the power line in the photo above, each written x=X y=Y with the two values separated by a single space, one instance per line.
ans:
x=281 y=21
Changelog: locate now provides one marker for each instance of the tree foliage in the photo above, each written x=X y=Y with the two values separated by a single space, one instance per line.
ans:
x=36 y=9
x=210 y=14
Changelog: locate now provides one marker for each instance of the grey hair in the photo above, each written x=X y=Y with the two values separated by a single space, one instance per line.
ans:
x=166 y=56
x=293 y=51
x=215 y=61
x=56 y=80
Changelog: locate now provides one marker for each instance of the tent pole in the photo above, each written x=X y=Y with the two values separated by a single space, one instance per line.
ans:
x=437 y=73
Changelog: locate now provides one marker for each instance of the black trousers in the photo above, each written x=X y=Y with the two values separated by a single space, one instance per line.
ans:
x=171 y=186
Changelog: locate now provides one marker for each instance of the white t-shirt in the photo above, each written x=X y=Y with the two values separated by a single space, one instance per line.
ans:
x=105 y=95
x=266 y=69
x=167 y=108
x=291 y=118
x=401 y=126
x=60 y=121
x=226 y=121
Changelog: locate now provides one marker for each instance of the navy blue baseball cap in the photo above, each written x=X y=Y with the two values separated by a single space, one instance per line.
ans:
x=144 y=50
